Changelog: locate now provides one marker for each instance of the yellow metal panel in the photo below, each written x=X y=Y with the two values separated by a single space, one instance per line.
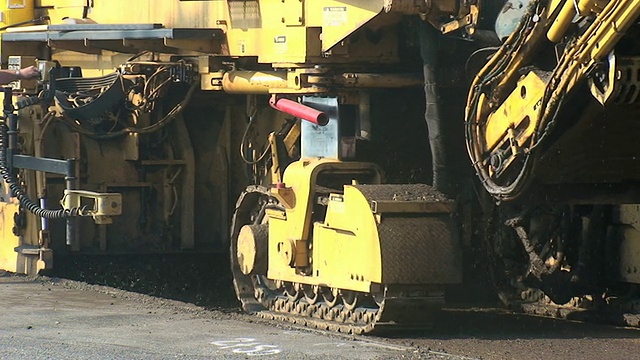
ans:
x=277 y=31
x=8 y=241
x=287 y=45
x=340 y=18
x=276 y=41
x=519 y=111
x=282 y=44
x=345 y=261
x=300 y=176
x=346 y=249
x=19 y=4
x=170 y=13
x=58 y=9
x=92 y=65
x=61 y=3
x=243 y=43
x=15 y=11
x=351 y=214
x=292 y=12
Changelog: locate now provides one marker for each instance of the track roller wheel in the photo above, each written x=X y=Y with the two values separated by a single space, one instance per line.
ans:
x=311 y=293
x=378 y=294
x=292 y=291
x=330 y=296
x=251 y=285
x=349 y=299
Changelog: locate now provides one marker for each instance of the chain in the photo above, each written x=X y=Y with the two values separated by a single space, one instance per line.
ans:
x=321 y=316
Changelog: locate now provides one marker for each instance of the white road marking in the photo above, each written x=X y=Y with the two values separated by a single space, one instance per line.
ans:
x=340 y=344
x=450 y=356
x=247 y=346
x=366 y=344
x=253 y=347
x=384 y=346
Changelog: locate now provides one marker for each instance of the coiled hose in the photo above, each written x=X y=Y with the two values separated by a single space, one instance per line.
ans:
x=27 y=101
x=19 y=192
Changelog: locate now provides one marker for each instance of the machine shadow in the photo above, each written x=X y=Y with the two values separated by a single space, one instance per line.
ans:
x=200 y=279
x=462 y=322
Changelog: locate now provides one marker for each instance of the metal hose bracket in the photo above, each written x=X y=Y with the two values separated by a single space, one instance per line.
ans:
x=6 y=170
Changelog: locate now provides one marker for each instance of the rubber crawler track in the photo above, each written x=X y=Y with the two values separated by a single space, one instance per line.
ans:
x=396 y=309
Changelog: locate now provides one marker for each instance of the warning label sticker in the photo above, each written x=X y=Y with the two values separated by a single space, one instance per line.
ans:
x=334 y=15
x=280 y=44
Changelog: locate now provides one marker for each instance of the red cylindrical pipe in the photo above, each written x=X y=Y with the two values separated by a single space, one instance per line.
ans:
x=298 y=110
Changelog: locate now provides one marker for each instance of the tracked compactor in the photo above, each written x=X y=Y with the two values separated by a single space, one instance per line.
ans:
x=338 y=130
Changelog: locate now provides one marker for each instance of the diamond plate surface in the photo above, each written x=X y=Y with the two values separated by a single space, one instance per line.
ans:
x=416 y=248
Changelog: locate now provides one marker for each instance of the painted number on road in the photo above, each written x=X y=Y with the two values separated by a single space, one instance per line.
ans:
x=247 y=346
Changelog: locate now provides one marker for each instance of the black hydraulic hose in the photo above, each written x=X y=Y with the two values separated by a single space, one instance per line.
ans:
x=19 y=193
x=27 y=101
x=15 y=187
x=440 y=132
x=437 y=132
x=166 y=120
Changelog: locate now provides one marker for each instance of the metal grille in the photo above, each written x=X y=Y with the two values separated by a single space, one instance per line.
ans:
x=416 y=248
x=245 y=14
x=628 y=87
x=420 y=250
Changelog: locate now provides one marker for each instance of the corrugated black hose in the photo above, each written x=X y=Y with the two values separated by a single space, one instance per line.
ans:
x=19 y=192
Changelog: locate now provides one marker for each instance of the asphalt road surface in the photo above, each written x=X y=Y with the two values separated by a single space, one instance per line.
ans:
x=43 y=318
x=59 y=319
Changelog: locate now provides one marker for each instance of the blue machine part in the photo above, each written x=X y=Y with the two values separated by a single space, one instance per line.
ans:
x=510 y=16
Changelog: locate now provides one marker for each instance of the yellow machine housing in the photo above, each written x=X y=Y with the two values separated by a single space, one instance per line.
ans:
x=16 y=11
x=365 y=237
x=188 y=120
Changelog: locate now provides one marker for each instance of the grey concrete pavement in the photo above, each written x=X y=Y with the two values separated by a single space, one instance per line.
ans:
x=49 y=320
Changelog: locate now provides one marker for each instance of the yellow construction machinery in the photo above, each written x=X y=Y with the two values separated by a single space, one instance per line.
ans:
x=323 y=121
